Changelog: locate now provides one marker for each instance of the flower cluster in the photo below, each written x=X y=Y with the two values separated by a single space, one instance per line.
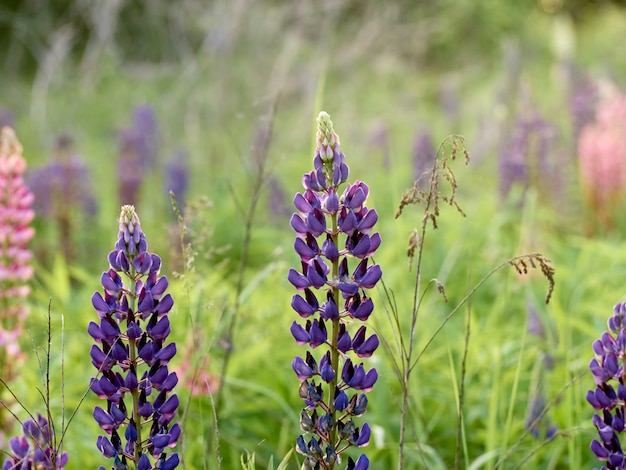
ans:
x=610 y=393
x=35 y=449
x=524 y=158
x=63 y=193
x=602 y=158
x=132 y=355
x=15 y=233
x=139 y=147
x=333 y=231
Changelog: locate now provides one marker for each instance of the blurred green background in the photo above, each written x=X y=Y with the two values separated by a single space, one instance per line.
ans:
x=236 y=85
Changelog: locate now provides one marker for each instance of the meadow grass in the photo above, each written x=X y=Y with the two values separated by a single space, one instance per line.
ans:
x=213 y=104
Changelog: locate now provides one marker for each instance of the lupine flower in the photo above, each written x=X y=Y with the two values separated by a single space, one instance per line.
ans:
x=602 y=158
x=582 y=99
x=35 y=449
x=132 y=355
x=177 y=178
x=63 y=193
x=610 y=392
x=523 y=159
x=7 y=118
x=145 y=124
x=130 y=172
x=277 y=199
x=16 y=215
x=424 y=154
x=334 y=241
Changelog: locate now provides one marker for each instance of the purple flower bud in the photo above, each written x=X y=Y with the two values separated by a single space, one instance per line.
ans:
x=301 y=368
x=104 y=419
x=299 y=333
x=305 y=250
x=361 y=464
x=104 y=445
x=165 y=354
x=144 y=463
x=361 y=437
x=341 y=401
x=332 y=202
x=329 y=310
x=298 y=280
x=305 y=308
x=299 y=225
x=318 y=333
x=326 y=371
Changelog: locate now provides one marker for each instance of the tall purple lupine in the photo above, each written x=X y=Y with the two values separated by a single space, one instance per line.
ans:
x=610 y=393
x=36 y=449
x=132 y=355
x=334 y=241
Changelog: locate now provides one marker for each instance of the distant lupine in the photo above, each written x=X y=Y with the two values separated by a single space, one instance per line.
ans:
x=524 y=157
x=334 y=242
x=145 y=124
x=130 y=171
x=176 y=178
x=277 y=200
x=610 y=393
x=36 y=449
x=424 y=153
x=63 y=193
x=132 y=355
x=602 y=158
x=15 y=233
x=7 y=118
x=537 y=422
x=138 y=153
x=583 y=99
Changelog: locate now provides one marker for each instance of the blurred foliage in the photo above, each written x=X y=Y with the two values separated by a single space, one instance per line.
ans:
x=211 y=70
x=159 y=31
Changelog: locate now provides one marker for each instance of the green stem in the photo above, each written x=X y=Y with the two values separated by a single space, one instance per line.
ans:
x=334 y=351
x=133 y=365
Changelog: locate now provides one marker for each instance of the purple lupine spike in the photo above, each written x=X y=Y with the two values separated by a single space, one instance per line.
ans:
x=608 y=396
x=133 y=331
x=335 y=243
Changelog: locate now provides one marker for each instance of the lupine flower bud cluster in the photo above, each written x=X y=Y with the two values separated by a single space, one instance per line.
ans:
x=132 y=355
x=35 y=449
x=335 y=242
x=16 y=215
x=610 y=393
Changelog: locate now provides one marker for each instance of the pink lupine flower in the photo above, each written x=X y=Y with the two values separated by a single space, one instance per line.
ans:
x=15 y=233
x=602 y=158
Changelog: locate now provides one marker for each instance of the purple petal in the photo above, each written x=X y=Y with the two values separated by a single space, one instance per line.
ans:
x=298 y=280
x=299 y=333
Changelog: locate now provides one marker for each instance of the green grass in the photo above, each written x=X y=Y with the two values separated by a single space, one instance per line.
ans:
x=211 y=104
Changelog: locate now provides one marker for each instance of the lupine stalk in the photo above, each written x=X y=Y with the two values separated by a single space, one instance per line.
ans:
x=333 y=234
x=610 y=393
x=15 y=233
x=132 y=355
x=35 y=449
